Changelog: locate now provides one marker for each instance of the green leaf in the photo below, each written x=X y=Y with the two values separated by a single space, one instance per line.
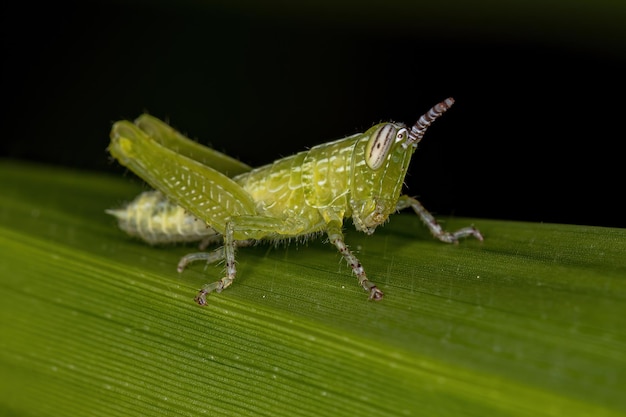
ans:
x=528 y=323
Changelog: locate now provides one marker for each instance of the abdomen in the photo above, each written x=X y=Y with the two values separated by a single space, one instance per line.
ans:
x=154 y=219
x=277 y=187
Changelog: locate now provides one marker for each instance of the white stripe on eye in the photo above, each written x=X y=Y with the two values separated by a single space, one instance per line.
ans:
x=379 y=145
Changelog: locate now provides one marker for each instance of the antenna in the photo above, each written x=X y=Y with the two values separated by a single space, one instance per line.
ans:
x=419 y=128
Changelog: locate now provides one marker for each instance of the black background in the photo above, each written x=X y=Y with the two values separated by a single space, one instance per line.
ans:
x=536 y=133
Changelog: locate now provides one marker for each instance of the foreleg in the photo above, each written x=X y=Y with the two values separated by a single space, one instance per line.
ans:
x=431 y=223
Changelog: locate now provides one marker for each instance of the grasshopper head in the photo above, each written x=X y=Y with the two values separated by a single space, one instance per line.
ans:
x=380 y=163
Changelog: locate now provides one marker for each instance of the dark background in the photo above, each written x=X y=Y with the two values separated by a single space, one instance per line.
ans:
x=536 y=133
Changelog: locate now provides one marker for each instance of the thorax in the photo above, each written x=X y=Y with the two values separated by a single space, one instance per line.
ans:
x=303 y=184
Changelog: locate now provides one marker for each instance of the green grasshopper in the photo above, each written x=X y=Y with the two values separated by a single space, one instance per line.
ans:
x=204 y=195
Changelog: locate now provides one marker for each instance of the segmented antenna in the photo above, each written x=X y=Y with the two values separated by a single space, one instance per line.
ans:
x=419 y=128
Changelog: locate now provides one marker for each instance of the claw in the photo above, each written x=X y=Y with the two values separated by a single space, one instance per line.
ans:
x=201 y=298
x=216 y=286
x=376 y=294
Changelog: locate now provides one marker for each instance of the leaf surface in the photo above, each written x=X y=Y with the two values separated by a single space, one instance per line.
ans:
x=528 y=323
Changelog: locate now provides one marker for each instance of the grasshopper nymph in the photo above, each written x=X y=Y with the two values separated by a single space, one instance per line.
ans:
x=204 y=195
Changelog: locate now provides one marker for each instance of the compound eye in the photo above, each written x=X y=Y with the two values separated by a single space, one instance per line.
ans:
x=380 y=143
